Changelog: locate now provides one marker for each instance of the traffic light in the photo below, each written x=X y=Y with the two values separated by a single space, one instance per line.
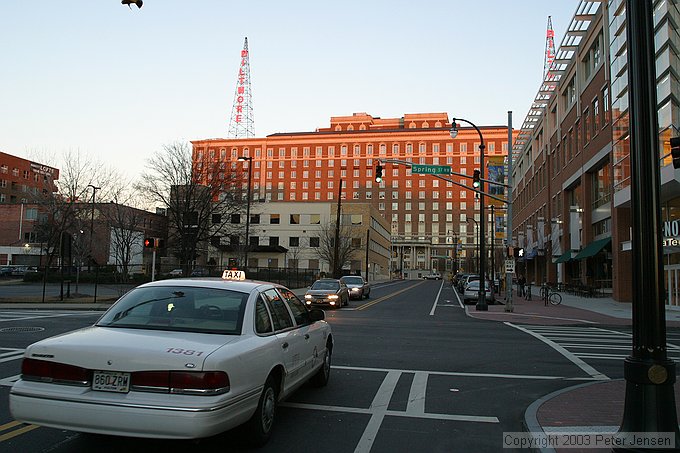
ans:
x=378 y=173
x=519 y=252
x=476 y=179
x=149 y=243
x=675 y=151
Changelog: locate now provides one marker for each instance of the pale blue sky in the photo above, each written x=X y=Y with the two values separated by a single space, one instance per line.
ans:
x=116 y=83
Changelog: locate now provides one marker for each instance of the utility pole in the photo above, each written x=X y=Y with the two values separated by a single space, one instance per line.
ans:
x=368 y=239
x=336 y=244
x=508 y=276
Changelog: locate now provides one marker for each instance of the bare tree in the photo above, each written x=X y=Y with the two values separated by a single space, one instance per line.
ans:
x=200 y=197
x=126 y=222
x=346 y=247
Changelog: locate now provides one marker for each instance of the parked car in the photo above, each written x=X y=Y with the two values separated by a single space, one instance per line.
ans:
x=178 y=359
x=5 y=271
x=466 y=281
x=200 y=272
x=471 y=293
x=328 y=291
x=358 y=287
x=175 y=273
x=433 y=276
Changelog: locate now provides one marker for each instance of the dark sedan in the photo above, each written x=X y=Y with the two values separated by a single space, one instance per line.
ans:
x=358 y=287
x=328 y=291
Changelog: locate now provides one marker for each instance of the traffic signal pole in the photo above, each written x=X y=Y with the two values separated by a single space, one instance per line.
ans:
x=508 y=276
x=153 y=265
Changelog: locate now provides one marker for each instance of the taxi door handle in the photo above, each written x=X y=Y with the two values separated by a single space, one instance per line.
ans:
x=306 y=336
x=285 y=345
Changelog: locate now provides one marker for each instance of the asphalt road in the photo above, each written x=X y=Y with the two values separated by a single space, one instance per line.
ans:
x=411 y=372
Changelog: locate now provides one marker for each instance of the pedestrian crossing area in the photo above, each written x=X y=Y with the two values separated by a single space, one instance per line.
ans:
x=589 y=342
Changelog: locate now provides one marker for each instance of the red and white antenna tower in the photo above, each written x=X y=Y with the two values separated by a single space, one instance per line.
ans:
x=549 y=50
x=241 y=124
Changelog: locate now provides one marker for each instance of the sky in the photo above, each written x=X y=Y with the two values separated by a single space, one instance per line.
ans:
x=116 y=84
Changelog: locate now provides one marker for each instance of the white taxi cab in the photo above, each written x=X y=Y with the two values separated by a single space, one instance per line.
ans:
x=179 y=358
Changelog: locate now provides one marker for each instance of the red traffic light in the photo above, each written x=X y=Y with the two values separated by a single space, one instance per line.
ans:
x=149 y=243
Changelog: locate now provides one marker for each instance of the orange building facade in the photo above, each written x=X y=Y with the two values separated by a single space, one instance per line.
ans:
x=428 y=215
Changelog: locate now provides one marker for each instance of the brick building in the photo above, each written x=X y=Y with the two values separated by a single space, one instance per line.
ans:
x=572 y=159
x=424 y=213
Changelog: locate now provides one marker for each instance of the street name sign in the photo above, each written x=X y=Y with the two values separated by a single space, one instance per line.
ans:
x=431 y=169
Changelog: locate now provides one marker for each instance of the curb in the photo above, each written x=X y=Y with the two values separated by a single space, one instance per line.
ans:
x=530 y=414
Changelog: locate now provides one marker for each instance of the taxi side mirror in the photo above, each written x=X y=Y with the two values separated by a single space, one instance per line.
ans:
x=316 y=314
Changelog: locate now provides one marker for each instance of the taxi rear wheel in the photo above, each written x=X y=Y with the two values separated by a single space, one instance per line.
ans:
x=262 y=422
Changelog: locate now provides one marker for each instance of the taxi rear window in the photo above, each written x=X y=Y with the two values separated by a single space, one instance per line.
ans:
x=177 y=308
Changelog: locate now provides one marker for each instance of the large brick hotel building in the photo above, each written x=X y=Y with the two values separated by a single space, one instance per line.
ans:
x=427 y=215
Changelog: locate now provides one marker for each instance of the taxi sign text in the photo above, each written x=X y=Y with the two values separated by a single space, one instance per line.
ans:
x=233 y=275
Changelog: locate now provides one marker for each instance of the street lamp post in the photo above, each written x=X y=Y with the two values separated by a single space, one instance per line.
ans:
x=94 y=193
x=479 y=259
x=250 y=179
x=481 y=303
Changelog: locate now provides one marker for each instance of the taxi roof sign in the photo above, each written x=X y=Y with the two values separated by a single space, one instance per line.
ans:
x=229 y=274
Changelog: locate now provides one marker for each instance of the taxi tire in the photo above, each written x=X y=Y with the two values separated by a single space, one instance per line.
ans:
x=261 y=424
x=320 y=379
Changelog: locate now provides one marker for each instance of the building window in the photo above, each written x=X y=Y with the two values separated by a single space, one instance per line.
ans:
x=216 y=219
x=313 y=241
x=294 y=241
x=275 y=219
x=294 y=218
x=273 y=241
x=254 y=240
x=315 y=219
x=235 y=218
x=255 y=219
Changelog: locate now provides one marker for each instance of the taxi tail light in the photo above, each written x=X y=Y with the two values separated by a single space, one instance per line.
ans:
x=208 y=382
x=42 y=370
x=193 y=382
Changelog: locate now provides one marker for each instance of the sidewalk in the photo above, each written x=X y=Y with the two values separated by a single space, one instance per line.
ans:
x=593 y=407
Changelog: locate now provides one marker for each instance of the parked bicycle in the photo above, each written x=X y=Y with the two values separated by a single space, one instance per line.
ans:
x=548 y=294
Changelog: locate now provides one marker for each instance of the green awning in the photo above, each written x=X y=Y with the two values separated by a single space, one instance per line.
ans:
x=563 y=258
x=593 y=248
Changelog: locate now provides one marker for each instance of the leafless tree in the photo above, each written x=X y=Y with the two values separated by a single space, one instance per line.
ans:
x=200 y=197
x=346 y=247
x=126 y=223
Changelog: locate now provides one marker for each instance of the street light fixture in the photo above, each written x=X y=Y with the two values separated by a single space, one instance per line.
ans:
x=481 y=303
x=250 y=179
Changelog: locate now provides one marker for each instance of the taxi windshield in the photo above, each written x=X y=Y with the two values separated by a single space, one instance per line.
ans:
x=177 y=308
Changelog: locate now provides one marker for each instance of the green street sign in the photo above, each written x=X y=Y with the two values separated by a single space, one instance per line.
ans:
x=431 y=169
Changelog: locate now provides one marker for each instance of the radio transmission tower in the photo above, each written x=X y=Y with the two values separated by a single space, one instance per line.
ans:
x=241 y=124
x=549 y=50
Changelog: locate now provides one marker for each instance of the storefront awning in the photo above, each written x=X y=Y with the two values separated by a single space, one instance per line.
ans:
x=563 y=258
x=593 y=248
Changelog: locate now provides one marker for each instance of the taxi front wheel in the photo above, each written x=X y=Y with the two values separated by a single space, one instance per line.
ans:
x=262 y=422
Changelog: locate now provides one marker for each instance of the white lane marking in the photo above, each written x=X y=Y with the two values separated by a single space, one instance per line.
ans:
x=416 y=397
x=460 y=302
x=358 y=410
x=379 y=407
x=571 y=357
x=9 y=381
x=532 y=316
x=436 y=299
x=16 y=356
x=455 y=373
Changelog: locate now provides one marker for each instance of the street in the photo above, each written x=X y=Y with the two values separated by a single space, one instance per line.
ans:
x=411 y=372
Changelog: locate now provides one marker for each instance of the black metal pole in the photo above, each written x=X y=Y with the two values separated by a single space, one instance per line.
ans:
x=336 y=243
x=650 y=375
x=368 y=239
x=493 y=236
x=250 y=196
x=481 y=302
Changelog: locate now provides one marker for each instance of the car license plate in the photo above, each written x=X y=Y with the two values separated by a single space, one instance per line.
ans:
x=111 y=381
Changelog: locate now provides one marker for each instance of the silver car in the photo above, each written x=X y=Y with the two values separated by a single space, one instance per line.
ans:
x=471 y=293
x=358 y=287
x=327 y=291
